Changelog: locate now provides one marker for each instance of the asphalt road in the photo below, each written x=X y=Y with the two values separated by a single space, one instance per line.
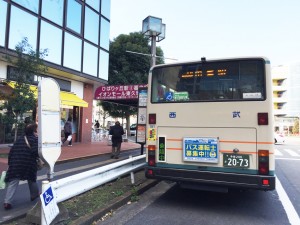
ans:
x=287 y=171
x=173 y=205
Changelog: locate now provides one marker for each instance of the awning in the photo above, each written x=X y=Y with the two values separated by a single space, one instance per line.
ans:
x=33 y=88
x=67 y=99
x=70 y=99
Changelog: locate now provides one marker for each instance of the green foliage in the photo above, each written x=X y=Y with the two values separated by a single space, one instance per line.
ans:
x=135 y=195
x=22 y=99
x=103 y=113
x=128 y=68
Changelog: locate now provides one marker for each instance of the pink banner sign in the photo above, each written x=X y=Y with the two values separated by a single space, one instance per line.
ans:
x=116 y=92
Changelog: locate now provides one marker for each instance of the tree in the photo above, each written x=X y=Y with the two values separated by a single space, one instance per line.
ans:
x=128 y=68
x=103 y=113
x=26 y=63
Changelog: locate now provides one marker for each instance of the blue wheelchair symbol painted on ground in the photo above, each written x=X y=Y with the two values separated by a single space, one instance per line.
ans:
x=172 y=115
x=48 y=196
x=169 y=96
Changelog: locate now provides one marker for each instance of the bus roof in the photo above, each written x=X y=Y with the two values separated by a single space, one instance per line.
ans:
x=214 y=60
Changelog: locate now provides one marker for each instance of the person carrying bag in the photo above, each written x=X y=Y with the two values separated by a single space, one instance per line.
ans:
x=116 y=131
x=2 y=180
x=39 y=162
x=22 y=165
x=68 y=132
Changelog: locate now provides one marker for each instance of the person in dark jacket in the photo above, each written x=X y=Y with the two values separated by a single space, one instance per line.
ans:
x=22 y=165
x=97 y=126
x=116 y=131
x=68 y=131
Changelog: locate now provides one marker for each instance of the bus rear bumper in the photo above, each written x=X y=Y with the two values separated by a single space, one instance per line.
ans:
x=229 y=180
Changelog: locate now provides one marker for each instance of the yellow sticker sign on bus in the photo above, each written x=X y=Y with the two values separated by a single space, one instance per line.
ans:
x=151 y=134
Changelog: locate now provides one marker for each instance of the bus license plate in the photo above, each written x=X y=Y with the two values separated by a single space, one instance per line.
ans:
x=236 y=160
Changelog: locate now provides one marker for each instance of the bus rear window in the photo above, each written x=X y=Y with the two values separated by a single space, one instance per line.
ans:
x=237 y=80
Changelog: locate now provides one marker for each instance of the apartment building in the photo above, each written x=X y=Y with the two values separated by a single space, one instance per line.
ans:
x=286 y=96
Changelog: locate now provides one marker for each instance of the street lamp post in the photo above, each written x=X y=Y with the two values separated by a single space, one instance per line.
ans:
x=156 y=30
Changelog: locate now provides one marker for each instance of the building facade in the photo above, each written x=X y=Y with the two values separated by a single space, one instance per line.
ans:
x=286 y=96
x=76 y=36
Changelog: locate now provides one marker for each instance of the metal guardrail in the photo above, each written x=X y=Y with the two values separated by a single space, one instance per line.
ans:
x=77 y=184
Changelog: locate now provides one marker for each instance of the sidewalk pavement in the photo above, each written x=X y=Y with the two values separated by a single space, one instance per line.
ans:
x=78 y=151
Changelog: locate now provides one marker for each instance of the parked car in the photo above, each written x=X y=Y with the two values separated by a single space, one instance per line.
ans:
x=279 y=138
x=133 y=129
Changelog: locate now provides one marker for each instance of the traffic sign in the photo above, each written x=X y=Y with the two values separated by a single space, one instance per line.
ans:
x=49 y=204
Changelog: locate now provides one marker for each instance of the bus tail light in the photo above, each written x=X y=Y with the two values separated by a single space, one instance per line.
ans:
x=262 y=119
x=263 y=162
x=151 y=155
x=150 y=172
x=266 y=182
x=152 y=118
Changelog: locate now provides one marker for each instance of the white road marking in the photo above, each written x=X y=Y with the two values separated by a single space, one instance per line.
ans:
x=287 y=205
x=292 y=159
x=291 y=152
x=277 y=152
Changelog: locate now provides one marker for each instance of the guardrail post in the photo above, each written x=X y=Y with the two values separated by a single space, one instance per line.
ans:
x=131 y=173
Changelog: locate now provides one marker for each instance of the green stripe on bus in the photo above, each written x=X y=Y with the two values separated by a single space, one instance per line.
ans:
x=211 y=169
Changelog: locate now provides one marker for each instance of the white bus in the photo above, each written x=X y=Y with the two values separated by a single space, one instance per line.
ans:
x=210 y=124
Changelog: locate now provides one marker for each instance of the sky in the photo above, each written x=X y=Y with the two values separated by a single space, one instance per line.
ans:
x=217 y=28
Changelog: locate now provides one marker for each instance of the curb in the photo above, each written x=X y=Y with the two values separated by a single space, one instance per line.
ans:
x=117 y=203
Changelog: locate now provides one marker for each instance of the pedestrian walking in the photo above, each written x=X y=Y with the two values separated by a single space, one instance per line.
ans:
x=68 y=132
x=22 y=165
x=116 y=131
x=97 y=126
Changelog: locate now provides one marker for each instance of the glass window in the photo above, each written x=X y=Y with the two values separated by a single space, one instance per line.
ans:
x=210 y=81
x=91 y=25
x=105 y=8
x=74 y=15
x=104 y=36
x=21 y=28
x=90 y=59
x=53 y=10
x=95 y=4
x=32 y=5
x=103 y=65
x=72 y=52
x=3 y=10
x=53 y=44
